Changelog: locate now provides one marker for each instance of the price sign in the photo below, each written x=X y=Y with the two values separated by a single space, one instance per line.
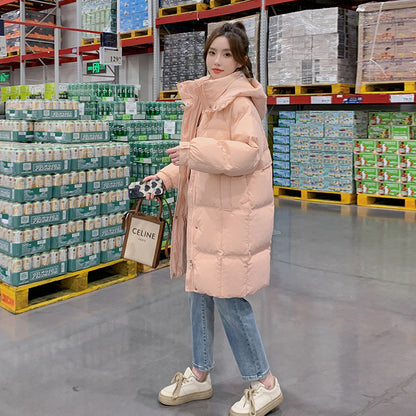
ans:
x=321 y=99
x=282 y=100
x=110 y=56
x=402 y=98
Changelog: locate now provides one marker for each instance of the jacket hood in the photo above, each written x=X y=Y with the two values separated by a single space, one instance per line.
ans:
x=216 y=94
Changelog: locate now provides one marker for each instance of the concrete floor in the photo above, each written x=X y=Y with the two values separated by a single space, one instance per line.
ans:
x=338 y=323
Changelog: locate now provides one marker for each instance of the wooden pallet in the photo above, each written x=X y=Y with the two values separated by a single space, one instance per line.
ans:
x=181 y=9
x=310 y=89
x=18 y=299
x=164 y=262
x=137 y=33
x=390 y=202
x=169 y=95
x=220 y=3
x=90 y=41
x=13 y=53
x=315 y=196
x=387 y=87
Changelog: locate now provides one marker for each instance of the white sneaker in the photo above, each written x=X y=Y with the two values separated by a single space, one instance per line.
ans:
x=257 y=400
x=185 y=388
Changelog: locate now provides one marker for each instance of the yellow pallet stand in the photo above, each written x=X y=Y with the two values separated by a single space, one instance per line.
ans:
x=18 y=299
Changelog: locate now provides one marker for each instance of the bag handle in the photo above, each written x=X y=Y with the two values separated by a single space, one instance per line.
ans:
x=169 y=224
x=139 y=205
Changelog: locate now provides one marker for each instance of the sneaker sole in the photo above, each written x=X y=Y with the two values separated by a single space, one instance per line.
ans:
x=169 y=401
x=264 y=410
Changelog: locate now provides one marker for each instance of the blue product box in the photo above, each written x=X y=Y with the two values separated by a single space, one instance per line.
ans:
x=316 y=144
x=317 y=116
x=287 y=114
x=281 y=173
x=316 y=129
x=281 y=139
x=281 y=156
x=299 y=156
x=281 y=131
x=330 y=145
x=286 y=122
x=280 y=164
x=281 y=182
x=281 y=148
x=302 y=116
x=299 y=129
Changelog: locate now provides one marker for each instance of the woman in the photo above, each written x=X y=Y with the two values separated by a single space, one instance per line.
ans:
x=223 y=219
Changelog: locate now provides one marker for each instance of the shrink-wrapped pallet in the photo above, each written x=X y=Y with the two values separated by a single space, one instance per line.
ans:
x=386 y=42
x=312 y=47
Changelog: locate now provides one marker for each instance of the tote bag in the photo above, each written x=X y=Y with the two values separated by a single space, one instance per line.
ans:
x=144 y=235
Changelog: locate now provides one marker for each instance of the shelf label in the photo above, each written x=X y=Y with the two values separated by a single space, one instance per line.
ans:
x=282 y=100
x=321 y=99
x=110 y=56
x=170 y=127
x=131 y=107
x=402 y=98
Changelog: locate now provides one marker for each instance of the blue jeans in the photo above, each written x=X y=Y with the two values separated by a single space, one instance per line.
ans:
x=241 y=330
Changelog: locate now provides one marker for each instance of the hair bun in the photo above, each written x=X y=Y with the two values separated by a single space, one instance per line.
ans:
x=240 y=26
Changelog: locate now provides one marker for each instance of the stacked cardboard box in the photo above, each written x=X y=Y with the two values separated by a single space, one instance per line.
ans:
x=135 y=14
x=183 y=58
x=99 y=15
x=281 y=148
x=38 y=39
x=312 y=47
x=387 y=42
x=321 y=149
x=171 y=3
x=251 y=24
x=385 y=163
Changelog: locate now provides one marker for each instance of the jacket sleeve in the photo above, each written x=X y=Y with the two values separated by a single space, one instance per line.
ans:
x=235 y=157
x=170 y=176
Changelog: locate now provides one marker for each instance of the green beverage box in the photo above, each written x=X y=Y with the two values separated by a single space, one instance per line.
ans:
x=388 y=160
x=388 y=175
x=409 y=190
x=25 y=249
x=375 y=118
x=26 y=195
x=112 y=207
x=111 y=255
x=364 y=145
x=67 y=240
x=365 y=173
x=408 y=160
x=84 y=262
x=400 y=132
x=365 y=159
x=400 y=118
x=367 y=187
x=379 y=132
x=406 y=146
x=66 y=191
x=389 y=189
x=84 y=212
x=387 y=146
x=33 y=275
x=408 y=175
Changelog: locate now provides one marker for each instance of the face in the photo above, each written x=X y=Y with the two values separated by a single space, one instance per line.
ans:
x=220 y=61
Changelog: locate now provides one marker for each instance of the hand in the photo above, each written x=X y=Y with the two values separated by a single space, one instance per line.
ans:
x=173 y=153
x=149 y=178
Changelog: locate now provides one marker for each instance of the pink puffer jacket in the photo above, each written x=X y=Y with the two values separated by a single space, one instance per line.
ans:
x=224 y=214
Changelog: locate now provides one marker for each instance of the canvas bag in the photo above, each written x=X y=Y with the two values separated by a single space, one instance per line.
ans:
x=144 y=235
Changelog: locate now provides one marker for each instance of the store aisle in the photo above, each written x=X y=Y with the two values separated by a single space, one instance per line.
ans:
x=338 y=323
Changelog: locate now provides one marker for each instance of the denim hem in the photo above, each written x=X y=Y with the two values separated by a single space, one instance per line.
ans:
x=203 y=368
x=257 y=377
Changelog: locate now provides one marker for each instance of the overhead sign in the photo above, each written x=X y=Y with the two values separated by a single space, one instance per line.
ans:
x=96 y=68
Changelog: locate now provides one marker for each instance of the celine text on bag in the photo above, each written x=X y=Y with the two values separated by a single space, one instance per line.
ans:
x=144 y=235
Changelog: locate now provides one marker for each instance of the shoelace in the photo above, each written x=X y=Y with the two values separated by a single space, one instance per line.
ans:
x=178 y=379
x=249 y=396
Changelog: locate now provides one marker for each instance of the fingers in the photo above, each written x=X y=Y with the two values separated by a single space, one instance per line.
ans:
x=174 y=153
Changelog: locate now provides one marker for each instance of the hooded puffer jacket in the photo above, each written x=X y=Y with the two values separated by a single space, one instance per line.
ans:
x=224 y=213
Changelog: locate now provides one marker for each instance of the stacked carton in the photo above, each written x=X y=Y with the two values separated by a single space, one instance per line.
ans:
x=387 y=42
x=321 y=149
x=99 y=15
x=385 y=163
x=135 y=14
x=183 y=58
x=312 y=47
x=281 y=148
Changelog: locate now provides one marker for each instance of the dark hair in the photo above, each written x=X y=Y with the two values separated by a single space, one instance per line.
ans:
x=237 y=37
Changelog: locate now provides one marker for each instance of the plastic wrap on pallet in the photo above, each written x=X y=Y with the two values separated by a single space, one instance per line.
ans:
x=251 y=24
x=387 y=42
x=99 y=15
x=183 y=58
x=312 y=47
x=135 y=14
